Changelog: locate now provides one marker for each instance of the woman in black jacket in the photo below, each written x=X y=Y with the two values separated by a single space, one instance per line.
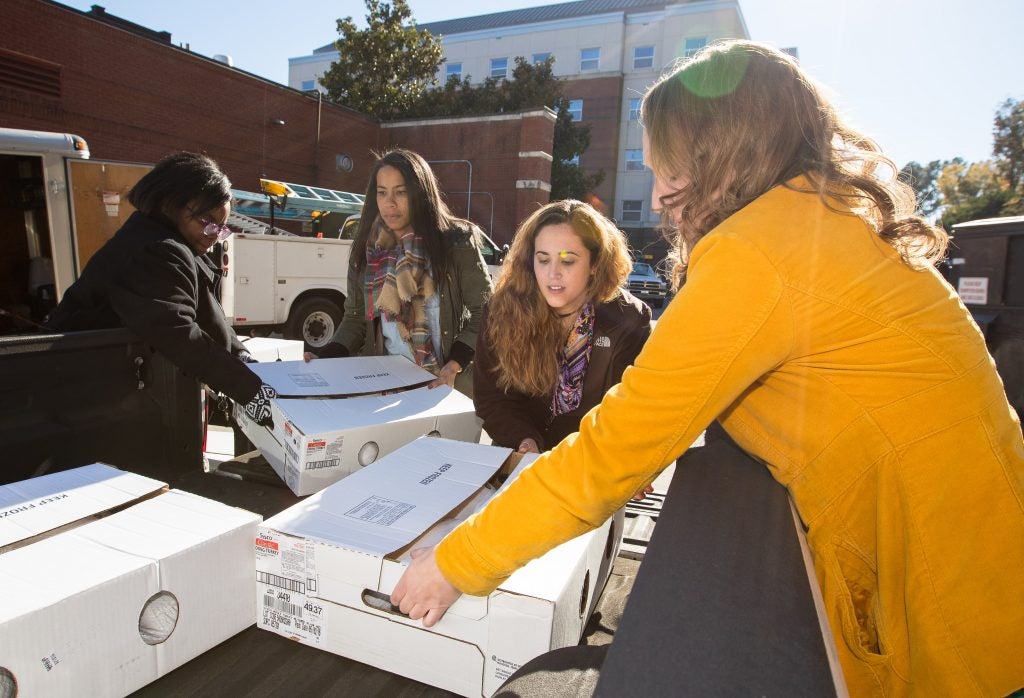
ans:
x=559 y=330
x=155 y=278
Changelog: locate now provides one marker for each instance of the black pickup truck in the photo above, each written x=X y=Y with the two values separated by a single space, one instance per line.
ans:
x=722 y=604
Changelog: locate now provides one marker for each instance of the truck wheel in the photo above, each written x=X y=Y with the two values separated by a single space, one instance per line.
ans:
x=313 y=320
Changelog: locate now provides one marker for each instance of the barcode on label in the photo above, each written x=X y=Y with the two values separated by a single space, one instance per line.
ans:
x=317 y=464
x=281 y=582
x=283 y=606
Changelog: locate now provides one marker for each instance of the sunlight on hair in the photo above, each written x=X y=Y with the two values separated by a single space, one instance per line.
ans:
x=715 y=78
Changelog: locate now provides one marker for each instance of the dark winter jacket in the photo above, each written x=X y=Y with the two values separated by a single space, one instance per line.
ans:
x=148 y=279
x=621 y=327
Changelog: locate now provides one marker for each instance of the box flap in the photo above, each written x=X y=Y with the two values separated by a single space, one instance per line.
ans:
x=360 y=375
x=44 y=504
x=388 y=504
x=327 y=415
x=266 y=349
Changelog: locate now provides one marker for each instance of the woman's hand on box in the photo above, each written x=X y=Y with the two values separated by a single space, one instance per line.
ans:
x=423 y=592
x=447 y=375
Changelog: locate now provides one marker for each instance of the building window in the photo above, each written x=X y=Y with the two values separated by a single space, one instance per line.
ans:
x=576 y=109
x=574 y=160
x=693 y=45
x=590 y=59
x=635 y=160
x=634 y=109
x=632 y=210
x=308 y=85
x=541 y=57
x=452 y=70
x=499 y=68
x=643 y=57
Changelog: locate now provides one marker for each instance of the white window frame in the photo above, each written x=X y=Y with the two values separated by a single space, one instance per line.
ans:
x=308 y=85
x=636 y=209
x=451 y=69
x=590 y=59
x=643 y=62
x=633 y=109
x=635 y=160
x=694 y=44
x=501 y=61
x=576 y=113
x=540 y=57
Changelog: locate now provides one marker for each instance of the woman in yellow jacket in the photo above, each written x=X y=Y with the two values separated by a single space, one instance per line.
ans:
x=813 y=325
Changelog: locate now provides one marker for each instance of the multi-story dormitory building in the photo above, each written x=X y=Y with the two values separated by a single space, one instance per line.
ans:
x=608 y=51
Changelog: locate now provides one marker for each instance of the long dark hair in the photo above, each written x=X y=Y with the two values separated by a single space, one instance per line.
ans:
x=741 y=118
x=180 y=180
x=429 y=215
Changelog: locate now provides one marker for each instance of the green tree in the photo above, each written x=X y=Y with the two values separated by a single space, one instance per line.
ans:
x=924 y=180
x=971 y=191
x=1008 y=149
x=385 y=69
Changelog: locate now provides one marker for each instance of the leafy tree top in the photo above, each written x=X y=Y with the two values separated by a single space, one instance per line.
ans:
x=385 y=69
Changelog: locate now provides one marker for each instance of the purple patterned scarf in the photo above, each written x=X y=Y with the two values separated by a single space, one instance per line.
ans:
x=574 y=360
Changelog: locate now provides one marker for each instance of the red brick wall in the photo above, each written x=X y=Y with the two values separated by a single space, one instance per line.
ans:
x=493 y=146
x=136 y=99
x=602 y=109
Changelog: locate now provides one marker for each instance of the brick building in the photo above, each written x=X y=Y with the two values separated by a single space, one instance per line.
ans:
x=135 y=96
x=607 y=51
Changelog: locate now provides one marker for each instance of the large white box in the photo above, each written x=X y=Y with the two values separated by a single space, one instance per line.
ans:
x=326 y=568
x=109 y=606
x=335 y=416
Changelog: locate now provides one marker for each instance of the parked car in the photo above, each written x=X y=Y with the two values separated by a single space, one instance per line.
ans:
x=646 y=285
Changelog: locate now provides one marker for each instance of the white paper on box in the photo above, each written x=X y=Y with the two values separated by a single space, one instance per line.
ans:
x=324 y=436
x=50 y=502
x=357 y=534
x=76 y=615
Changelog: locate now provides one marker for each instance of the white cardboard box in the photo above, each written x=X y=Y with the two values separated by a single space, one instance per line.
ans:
x=335 y=416
x=268 y=349
x=113 y=604
x=326 y=567
x=46 y=505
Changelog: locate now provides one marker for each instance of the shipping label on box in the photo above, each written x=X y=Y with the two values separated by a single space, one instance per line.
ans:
x=335 y=416
x=326 y=568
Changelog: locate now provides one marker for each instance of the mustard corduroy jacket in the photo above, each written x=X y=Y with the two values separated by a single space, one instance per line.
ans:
x=866 y=388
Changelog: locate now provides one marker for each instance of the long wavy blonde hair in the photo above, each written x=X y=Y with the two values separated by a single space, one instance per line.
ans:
x=740 y=118
x=524 y=332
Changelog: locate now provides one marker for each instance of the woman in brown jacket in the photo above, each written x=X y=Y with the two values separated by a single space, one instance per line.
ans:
x=559 y=330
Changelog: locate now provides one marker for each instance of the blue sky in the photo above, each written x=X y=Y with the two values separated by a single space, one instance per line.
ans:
x=924 y=77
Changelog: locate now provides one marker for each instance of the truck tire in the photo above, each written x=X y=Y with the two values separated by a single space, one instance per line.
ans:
x=313 y=320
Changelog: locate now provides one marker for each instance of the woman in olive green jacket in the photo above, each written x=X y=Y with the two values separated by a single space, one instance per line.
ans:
x=417 y=282
x=815 y=328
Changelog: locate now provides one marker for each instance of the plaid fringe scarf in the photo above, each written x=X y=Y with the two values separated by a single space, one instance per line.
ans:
x=397 y=285
x=574 y=360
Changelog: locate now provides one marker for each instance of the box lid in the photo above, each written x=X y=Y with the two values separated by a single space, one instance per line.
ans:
x=326 y=415
x=43 y=504
x=343 y=377
x=387 y=505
